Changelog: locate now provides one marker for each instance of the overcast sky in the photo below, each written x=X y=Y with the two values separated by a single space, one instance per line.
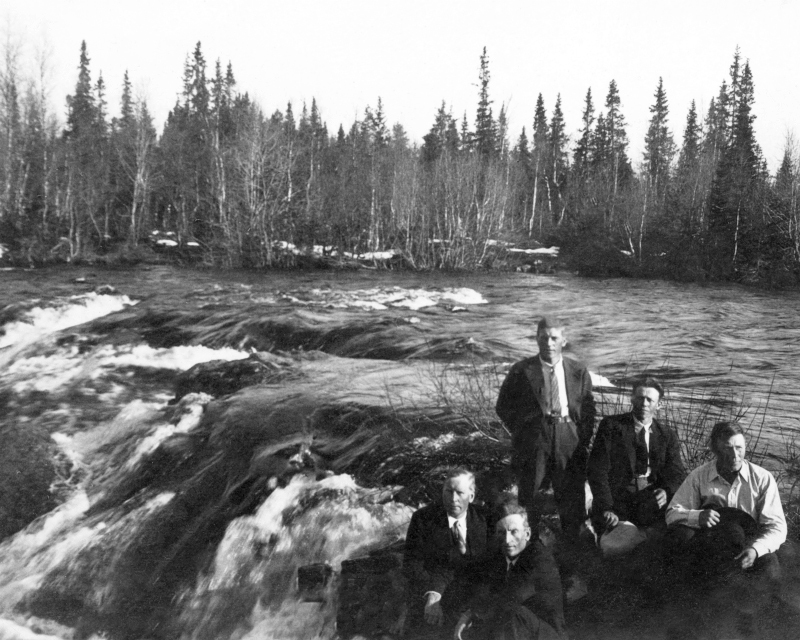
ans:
x=416 y=53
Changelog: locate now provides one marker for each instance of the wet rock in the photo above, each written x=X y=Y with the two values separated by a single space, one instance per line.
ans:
x=105 y=290
x=370 y=593
x=26 y=474
x=312 y=580
x=224 y=377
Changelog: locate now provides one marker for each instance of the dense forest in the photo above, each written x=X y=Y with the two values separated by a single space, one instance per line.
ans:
x=245 y=187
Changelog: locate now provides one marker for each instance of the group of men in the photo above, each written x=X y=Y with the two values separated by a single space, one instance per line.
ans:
x=482 y=572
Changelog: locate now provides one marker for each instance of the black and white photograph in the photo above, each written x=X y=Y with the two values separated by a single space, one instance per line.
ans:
x=399 y=320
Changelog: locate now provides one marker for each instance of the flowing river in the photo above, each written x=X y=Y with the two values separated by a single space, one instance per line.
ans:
x=181 y=506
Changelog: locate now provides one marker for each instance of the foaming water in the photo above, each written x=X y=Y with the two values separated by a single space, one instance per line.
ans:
x=10 y=630
x=64 y=366
x=306 y=522
x=63 y=314
x=379 y=298
x=189 y=518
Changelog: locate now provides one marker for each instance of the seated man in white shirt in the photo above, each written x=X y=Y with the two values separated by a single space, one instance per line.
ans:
x=727 y=513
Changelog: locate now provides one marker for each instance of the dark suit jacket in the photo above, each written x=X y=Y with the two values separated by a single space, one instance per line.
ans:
x=488 y=589
x=431 y=559
x=612 y=463
x=520 y=402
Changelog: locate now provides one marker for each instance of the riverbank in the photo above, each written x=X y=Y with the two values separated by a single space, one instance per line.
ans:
x=587 y=257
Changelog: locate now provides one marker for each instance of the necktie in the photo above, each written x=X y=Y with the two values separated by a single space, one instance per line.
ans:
x=459 y=540
x=509 y=567
x=555 y=397
x=641 y=453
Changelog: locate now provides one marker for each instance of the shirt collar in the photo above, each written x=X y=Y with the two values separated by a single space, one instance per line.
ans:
x=451 y=520
x=554 y=365
x=716 y=473
x=638 y=425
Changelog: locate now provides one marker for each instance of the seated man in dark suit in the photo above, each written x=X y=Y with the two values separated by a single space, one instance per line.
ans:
x=514 y=591
x=635 y=466
x=441 y=539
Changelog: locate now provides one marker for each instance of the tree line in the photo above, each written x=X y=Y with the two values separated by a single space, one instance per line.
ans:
x=245 y=185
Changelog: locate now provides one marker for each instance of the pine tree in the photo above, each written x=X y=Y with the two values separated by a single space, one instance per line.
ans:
x=659 y=146
x=502 y=133
x=437 y=140
x=467 y=138
x=521 y=156
x=583 y=149
x=81 y=105
x=616 y=169
x=557 y=165
x=126 y=117
x=485 y=137
x=689 y=156
x=87 y=162
x=717 y=126
x=689 y=180
x=539 y=162
x=735 y=205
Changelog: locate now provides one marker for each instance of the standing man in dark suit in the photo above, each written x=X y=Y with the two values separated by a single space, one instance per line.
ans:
x=441 y=539
x=546 y=403
x=512 y=593
x=635 y=466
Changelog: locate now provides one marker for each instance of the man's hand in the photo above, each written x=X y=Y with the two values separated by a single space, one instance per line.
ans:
x=463 y=623
x=747 y=557
x=433 y=609
x=661 y=497
x=610 y=519
x=708 y=518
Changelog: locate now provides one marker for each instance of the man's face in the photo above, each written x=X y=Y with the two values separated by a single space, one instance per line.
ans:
x=513 y=535
x=645 y=402
x=457 y=494
x=551 y=342
x=730 y=453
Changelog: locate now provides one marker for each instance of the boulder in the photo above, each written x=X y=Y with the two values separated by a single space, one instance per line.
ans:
x=27 y=472
x=224 y=377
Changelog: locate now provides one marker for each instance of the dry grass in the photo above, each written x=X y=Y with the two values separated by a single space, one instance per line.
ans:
x=465 y=394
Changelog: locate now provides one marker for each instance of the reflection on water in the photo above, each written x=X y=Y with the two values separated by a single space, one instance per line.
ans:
x=189 y=518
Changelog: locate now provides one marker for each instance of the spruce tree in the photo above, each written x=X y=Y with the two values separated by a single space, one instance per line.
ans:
x=659 y=146
x=485 y=137
x=735 y=203
x=557 y=165
x=583 y=148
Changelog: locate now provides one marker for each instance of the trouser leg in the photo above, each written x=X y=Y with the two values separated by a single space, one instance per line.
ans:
x=520 y=623
x=568 y=474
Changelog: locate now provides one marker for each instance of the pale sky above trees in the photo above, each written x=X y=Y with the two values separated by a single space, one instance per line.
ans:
x=416 y=53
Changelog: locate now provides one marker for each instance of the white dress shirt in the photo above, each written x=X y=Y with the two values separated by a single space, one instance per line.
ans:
x=462 y=524
x=558 y=369
x=462 y=528
x=753 y=491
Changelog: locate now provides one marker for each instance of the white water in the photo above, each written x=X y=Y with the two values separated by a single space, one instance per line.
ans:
x=310 y=521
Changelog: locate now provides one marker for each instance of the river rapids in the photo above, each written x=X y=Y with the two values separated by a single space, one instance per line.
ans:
x=177 y=443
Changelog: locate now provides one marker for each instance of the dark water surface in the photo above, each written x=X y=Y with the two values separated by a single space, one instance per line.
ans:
x=189 y=519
